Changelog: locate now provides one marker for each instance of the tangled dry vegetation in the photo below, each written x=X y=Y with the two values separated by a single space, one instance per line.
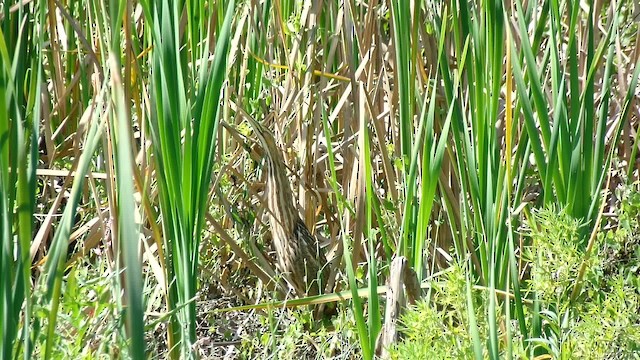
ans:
x=135 y=220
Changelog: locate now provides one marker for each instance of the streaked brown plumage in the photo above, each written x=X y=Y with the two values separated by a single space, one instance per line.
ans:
x=299 y=254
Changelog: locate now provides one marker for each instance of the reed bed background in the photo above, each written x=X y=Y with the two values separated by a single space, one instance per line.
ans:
x=492 y=144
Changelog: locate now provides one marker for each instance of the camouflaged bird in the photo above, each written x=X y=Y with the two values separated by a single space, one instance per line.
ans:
x=299 y=254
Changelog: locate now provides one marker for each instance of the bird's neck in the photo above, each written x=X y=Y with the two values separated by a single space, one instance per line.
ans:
x=280 y=196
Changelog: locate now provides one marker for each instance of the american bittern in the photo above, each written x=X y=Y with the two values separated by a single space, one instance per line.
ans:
x=299 y=254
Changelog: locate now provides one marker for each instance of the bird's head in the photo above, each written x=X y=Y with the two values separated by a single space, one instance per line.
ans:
x=265 y=137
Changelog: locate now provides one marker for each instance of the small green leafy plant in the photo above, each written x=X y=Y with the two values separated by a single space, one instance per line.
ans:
x=601 y=323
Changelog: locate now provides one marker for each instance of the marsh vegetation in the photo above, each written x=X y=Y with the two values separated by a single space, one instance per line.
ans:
x=490 y=145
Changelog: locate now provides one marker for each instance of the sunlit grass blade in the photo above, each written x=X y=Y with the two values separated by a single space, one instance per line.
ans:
x=128 y=234
x=405 y=82
x=20 y=68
